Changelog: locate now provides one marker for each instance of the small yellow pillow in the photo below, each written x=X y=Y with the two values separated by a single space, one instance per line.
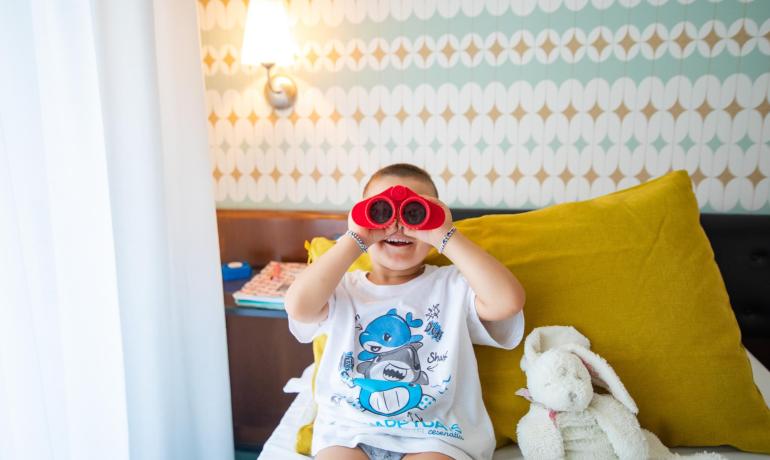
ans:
x=314 y=250
x=320 y=245
x=305 y=434
x=634 y=272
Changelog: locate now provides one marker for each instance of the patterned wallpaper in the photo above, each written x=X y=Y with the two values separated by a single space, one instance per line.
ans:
x=508 y=104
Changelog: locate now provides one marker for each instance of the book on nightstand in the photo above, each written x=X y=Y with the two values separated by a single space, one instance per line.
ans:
x=268 y=287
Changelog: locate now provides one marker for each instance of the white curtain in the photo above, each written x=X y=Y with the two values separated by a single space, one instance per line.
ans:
x=112 y=336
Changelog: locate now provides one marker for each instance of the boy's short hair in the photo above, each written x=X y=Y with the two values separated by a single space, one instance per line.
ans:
x=403 y=170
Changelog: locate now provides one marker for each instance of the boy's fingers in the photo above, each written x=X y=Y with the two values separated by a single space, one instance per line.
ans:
x=436 y=201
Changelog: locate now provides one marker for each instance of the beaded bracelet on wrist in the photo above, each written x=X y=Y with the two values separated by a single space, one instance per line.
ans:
x=446 y=239
x=357 y=239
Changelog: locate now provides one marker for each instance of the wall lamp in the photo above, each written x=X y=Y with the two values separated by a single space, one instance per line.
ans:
x=267 y=42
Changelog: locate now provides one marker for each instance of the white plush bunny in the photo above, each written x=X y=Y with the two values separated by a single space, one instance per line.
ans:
x=566 y=419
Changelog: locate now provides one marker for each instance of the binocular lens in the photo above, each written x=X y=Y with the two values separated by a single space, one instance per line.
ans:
x=380 y=212
x=414 y=213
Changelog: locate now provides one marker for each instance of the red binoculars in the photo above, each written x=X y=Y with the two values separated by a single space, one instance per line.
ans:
x=412 y=210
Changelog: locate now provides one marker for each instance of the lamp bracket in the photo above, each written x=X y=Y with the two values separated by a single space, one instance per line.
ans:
x=280 y=90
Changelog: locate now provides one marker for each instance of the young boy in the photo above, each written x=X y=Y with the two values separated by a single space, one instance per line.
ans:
x=398 y=378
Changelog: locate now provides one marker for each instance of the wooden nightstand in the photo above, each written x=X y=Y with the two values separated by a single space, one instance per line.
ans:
x=262 y=352
x=263 y=355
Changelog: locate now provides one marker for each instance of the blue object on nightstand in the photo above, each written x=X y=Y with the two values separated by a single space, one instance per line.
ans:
x=235 y=271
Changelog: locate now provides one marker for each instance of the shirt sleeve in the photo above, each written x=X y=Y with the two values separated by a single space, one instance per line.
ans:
x=505 y=333
x=306 y=332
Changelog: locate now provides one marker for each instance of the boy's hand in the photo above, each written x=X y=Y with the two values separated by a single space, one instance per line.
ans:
x=435 y=236
x=371 y=235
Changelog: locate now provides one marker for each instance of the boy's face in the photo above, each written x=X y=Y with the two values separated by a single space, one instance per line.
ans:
x=392 y=253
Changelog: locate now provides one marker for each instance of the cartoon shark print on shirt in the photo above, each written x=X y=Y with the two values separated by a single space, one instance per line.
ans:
x=399 y=365
x=387 y=332
x=393 y=376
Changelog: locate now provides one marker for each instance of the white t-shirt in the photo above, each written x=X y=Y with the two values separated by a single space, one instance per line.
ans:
x=398 y=371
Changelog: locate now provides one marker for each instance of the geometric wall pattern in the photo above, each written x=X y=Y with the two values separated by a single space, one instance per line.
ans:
x=519 y=48
x=515 y=104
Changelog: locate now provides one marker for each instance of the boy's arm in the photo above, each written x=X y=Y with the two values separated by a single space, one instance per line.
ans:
x=307 y=299
x=499 y=295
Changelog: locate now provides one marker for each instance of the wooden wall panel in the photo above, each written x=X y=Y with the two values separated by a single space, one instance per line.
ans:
x=261 y=236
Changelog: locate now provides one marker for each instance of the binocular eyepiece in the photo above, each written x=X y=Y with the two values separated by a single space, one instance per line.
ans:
x=398 y=202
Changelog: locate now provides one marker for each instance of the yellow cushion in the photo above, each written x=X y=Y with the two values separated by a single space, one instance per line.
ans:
x=635 y=273
x=305 y=434
x=320 y=245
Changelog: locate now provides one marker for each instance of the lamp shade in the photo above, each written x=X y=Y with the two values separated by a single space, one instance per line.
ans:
x=266 y=38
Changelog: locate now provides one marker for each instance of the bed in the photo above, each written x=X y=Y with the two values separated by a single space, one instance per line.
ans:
x=741 y=244
x=281 y=444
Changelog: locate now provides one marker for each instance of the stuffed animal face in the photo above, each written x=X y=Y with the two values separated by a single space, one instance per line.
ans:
x=559 y=381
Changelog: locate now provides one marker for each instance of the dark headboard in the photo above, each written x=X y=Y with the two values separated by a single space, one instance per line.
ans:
x=741 y=246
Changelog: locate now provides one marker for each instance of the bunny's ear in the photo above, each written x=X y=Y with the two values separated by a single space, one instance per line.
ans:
x=604 y=376
x=542 y=339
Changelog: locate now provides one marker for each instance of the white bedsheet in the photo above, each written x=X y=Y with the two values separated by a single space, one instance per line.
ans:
x=280 y=445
